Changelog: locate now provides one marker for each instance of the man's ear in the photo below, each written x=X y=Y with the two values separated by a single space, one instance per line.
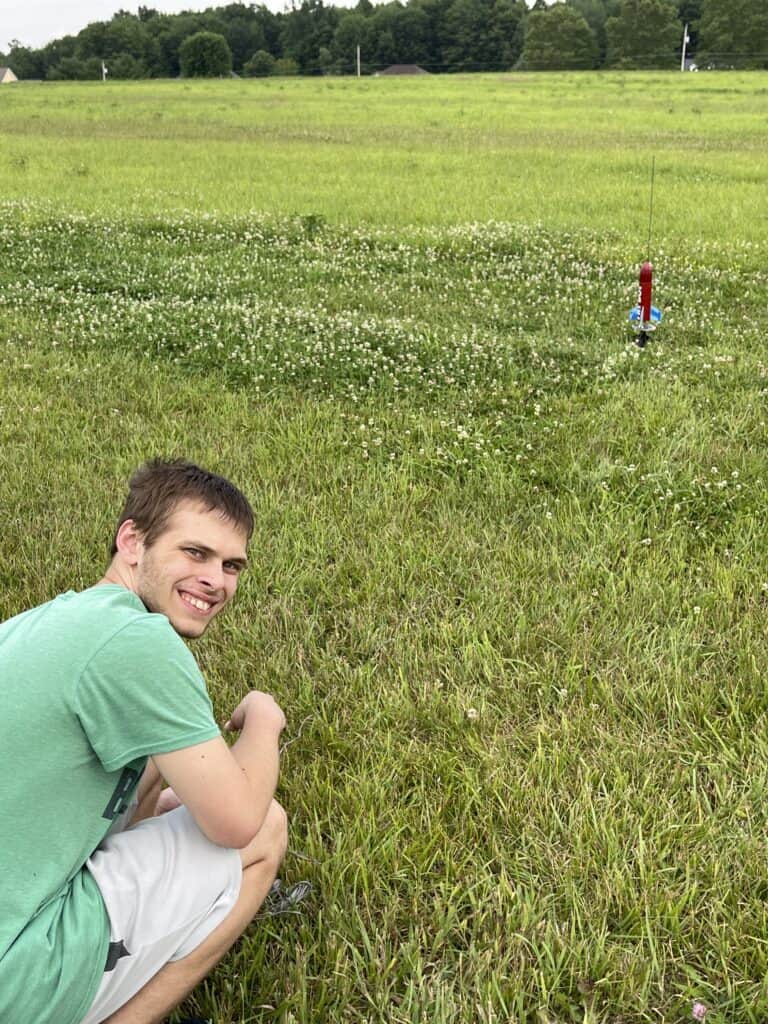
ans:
x=129 y=542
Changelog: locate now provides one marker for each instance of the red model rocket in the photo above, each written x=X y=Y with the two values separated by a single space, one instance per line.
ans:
x=645 y=316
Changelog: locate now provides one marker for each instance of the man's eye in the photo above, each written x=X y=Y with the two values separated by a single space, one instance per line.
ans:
x=195 y=552
x=233 y=567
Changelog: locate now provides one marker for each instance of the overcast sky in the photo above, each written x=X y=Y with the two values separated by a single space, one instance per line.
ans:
x=36 y=22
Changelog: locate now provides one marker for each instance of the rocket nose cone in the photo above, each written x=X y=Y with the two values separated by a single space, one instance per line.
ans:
x=646 y=271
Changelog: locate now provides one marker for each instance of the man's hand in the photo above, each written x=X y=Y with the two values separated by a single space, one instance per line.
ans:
x=228 y=790
x=167 y=801
x=257 y=707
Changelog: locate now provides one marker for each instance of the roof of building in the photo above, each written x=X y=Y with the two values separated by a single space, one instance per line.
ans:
x=404 y=69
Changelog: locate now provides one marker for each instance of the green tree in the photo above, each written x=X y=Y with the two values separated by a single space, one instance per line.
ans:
x=385 y=52
x=126 y=66
x=92 y=41
x=596 y=13
x=644 y=34
x=124 y=36
x=241 y=39
x=438 y=35
x=509 y=25
x=733 y=33
x=55 y=51
x=414 y=35
x=482 y=35
x=73 y=69
x=205 y=55
x=24 y=61
x=558 y=38
x=396 y=36
x=325 y=60
x=243 y=28
x=267 y=27
x=261 y=64
x=305 y=30
x=353 y=30
x=465 y=39
x=286 y=66
x=689 y=13
x=170 y=37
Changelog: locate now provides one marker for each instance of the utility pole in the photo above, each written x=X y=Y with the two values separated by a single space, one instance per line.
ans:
x=686 y=40
x=358 y=60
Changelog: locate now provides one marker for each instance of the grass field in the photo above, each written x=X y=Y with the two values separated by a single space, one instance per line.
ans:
x=510 y=582
x=570 y=152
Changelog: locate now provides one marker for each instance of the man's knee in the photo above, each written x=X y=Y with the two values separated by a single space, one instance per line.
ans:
x=271 y=841
x=277 y=823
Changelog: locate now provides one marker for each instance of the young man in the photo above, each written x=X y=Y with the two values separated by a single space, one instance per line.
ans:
x=100 y=700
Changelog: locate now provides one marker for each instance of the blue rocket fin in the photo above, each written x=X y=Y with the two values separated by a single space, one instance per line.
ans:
x=656 y=315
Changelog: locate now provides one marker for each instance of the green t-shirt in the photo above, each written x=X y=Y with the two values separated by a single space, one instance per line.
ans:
x=91 y=684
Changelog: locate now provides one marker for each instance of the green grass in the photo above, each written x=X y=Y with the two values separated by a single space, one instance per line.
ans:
x=574 y=151
x=509 y=577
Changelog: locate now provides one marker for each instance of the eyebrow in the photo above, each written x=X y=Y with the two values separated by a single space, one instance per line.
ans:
x=241 y=563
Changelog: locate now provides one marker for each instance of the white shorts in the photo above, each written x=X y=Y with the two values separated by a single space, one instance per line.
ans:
x=165 y=887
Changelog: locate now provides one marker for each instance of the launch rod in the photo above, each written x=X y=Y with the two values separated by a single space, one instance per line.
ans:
x=650 y=210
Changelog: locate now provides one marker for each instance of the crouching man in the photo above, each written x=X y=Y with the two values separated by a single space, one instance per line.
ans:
x=100 y=701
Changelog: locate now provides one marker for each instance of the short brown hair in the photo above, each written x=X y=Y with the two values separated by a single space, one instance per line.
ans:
x=157 y=487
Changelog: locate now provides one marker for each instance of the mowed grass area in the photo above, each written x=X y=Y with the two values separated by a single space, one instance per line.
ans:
x=509 y=574
x=572 y=151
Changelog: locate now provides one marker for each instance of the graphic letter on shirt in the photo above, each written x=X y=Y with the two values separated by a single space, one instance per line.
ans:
x=120 y=799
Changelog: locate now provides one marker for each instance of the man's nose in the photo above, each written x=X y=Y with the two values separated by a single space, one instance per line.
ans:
x=212 y=576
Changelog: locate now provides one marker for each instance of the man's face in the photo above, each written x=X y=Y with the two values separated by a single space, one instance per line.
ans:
x=191 y=571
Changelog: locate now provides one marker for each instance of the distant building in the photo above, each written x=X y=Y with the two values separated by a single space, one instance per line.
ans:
x=404 y=69
x=6 y=75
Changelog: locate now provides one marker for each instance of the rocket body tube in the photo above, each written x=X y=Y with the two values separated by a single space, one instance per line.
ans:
x=646 y=292
x=645 y=316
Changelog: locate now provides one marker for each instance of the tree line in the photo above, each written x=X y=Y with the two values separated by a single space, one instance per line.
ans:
x=438 y=35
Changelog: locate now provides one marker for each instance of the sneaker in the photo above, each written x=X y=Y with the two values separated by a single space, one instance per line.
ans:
x=285 y=901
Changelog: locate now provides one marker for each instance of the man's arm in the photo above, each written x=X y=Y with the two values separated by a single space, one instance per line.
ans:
x=147 y=792
x=228 y=790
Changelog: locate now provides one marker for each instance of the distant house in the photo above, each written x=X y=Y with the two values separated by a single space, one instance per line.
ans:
x=404 y=69
x=6 y=75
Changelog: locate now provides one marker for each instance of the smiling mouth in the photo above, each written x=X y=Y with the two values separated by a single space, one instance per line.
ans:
x=196 y=603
